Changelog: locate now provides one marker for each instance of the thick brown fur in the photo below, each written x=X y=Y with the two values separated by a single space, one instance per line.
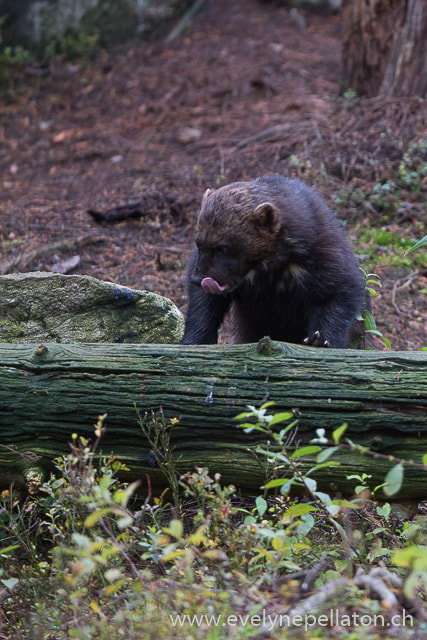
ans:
x=273 y=251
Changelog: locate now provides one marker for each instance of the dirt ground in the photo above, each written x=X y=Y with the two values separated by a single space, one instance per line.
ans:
x=252 y=88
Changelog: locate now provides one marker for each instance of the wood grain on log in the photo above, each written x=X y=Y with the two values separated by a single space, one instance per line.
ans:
x=47 y=393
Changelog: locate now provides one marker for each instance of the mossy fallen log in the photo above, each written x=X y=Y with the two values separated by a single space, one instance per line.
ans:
x=49 y=392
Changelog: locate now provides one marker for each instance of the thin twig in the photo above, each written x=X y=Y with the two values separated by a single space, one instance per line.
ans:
x=407 y=281
x=24 y=259
x=324 y=594
x=378 y=587
x=272 y=134
x=185 y=20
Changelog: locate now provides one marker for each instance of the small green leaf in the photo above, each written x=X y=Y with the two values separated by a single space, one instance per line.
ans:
x=171 y=555
x=375 y=332
x=306 y=525
x=268 y=404
x=414 y=556
x=242 y=415
x=370 y=324
x=326 y=453
x=94 y=517
x=360 y=488
x=393 y=480
x=417 y=245
x=10 y=583
x=323 y=497
x=297 y=510
x=372 y=281
x=286 y=487
x=273 y=455
x=124 y=522
x=277 y=482
x=328 y=463
x=261 y=505
x=305 y=451
x=336 y=435
x=384 y=510
x=333 y=509
x=175 y=529
x=6 y=550
x=280 y=417
x=249 y=426
x=310 y=484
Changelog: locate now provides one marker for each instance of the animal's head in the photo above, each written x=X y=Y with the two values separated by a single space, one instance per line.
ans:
x=236 y=232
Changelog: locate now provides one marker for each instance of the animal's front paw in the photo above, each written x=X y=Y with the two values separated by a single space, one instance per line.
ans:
x=316 y=340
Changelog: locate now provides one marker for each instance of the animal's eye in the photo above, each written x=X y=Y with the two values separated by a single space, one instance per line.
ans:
x=222 y=250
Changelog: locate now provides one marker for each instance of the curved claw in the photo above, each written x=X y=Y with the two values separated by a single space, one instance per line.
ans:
x=316 y=341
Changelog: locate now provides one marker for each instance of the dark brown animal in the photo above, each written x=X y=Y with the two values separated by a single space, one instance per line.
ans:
x=273 y=251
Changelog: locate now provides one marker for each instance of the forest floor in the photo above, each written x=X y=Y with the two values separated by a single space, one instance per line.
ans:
x=250 y=88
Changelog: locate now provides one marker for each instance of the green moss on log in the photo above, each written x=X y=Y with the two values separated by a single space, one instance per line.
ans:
x=48 y=392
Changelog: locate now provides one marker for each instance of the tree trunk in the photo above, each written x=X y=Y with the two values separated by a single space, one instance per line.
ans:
x=49 y=392
x=385 y=47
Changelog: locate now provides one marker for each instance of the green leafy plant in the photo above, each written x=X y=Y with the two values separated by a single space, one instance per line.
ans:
x=396 y=184
x=89 y=559
x=413 y=167
x=350 y=94
x=299 y=475
x=372 y=280
x=158 y=430
x=384 y=197
x=371 y=328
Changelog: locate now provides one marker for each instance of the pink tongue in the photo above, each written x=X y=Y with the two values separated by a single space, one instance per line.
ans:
x=209 y=285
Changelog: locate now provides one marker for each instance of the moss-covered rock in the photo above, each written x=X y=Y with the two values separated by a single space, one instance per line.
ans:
x=39 y=25
x=41 y=307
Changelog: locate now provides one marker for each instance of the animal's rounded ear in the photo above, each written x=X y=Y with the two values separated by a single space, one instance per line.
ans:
x=265 y=216
x=206 y=195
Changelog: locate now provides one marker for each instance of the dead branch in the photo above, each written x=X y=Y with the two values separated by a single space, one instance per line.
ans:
x=23 y=260
x=273 y=134
x=400 y=284
x=378 y=587
x=152 y=203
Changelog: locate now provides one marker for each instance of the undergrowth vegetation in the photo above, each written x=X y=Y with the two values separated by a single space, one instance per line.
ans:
x=89 y=558
x=397 y=178
x=391 y=200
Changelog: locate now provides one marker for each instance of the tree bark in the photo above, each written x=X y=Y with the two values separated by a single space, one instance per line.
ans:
x=49 y=392
x=385 y=47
